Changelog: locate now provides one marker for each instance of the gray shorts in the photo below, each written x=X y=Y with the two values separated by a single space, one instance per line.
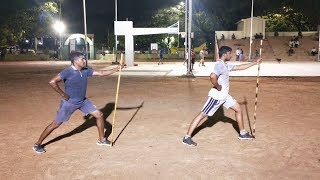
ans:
x=66 y=109
x=212 y=105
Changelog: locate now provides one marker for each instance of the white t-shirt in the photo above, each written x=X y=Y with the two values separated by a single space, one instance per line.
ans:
x=221 y=69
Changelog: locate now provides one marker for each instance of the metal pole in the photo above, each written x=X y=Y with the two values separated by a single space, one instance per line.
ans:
x=186 y=28
x=85 y=30
x=116 y=37
x=178 y=33
x=189 y=37
x=60 y=36
x=319 y=44
x=251 y=30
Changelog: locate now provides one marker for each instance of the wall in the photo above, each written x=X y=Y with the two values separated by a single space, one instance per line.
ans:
x=228 y=34
x=258 y=26
x=26 y=57
x=304 y=33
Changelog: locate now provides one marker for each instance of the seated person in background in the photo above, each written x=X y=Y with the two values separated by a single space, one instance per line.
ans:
x=222 y=36
x=257 y=54
x=314 y=51
x=233 y=36
x=291 y=43
x=296 y=43
x=291 y=51
x=260 y=36
x=256 y=36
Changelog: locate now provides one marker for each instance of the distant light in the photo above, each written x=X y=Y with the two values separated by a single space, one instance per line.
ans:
x=40 y=43
x=27 y=41
x=59 y=26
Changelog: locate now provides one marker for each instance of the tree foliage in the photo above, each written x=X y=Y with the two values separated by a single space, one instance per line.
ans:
x=27 y=23
x=287 y=19
x=162 y=18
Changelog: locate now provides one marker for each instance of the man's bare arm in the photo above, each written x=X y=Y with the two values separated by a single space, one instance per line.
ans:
x=106 y=72
x=214 y=81
x=247 y=65
x=54 y=84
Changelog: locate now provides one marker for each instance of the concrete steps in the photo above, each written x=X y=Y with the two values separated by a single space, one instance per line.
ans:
x=274 y=48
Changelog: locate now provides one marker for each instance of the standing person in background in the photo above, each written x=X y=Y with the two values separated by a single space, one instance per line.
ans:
x=161 y=53
x=219 y=95
x=237 y=54
x=202 y=54
x=314 y=51
x=74 y=97
x=193 y=59
x=186 y=57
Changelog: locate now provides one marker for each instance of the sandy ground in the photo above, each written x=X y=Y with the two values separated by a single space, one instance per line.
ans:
x=148 y=138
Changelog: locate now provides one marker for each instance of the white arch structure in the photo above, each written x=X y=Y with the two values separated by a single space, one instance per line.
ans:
x=125 y=28
x=89 y=41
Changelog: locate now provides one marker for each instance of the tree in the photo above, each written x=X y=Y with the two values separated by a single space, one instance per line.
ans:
x=204 y=26
x=28 y=23
x=162 y=18
x=287 y=19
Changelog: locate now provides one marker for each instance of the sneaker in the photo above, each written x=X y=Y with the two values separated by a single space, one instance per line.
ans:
x=38 y=148
x=105 y=142
x=188 y=141
x=245 y=136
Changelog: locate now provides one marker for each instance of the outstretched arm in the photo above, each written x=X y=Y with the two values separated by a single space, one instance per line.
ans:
x=54 y=84
x=106 y=72
x=246 y=66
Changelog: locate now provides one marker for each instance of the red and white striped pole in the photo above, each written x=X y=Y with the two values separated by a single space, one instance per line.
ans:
x=257 y=89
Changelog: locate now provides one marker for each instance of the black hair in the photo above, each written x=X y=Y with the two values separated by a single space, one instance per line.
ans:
x=75 y=55
x=224 y=50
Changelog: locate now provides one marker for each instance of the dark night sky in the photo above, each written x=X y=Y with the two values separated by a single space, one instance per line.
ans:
x=101 y=13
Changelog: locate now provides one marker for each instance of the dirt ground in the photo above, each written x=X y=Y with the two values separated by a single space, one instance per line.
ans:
x=148 y=138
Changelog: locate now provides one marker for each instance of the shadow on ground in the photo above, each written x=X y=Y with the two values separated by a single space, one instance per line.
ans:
x=90 y=121
x=220 y=117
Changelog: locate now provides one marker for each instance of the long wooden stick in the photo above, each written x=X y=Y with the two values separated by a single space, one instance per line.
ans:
x=116 y=101
x=257 y=89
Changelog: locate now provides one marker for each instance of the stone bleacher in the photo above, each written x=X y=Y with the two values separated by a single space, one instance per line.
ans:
x=274 y=48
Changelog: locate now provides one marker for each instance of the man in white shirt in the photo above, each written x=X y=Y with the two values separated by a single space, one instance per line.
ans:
x=219 y=95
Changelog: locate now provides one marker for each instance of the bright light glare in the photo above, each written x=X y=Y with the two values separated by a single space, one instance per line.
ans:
x=59 y=26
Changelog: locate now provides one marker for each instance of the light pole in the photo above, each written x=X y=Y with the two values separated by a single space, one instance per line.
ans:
x=116 y=37
x=59 y=27
x=189 y=38
x=188 y=29
x=251 y=30
x=60 y=36
x=319 y=43
x=85 y=30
